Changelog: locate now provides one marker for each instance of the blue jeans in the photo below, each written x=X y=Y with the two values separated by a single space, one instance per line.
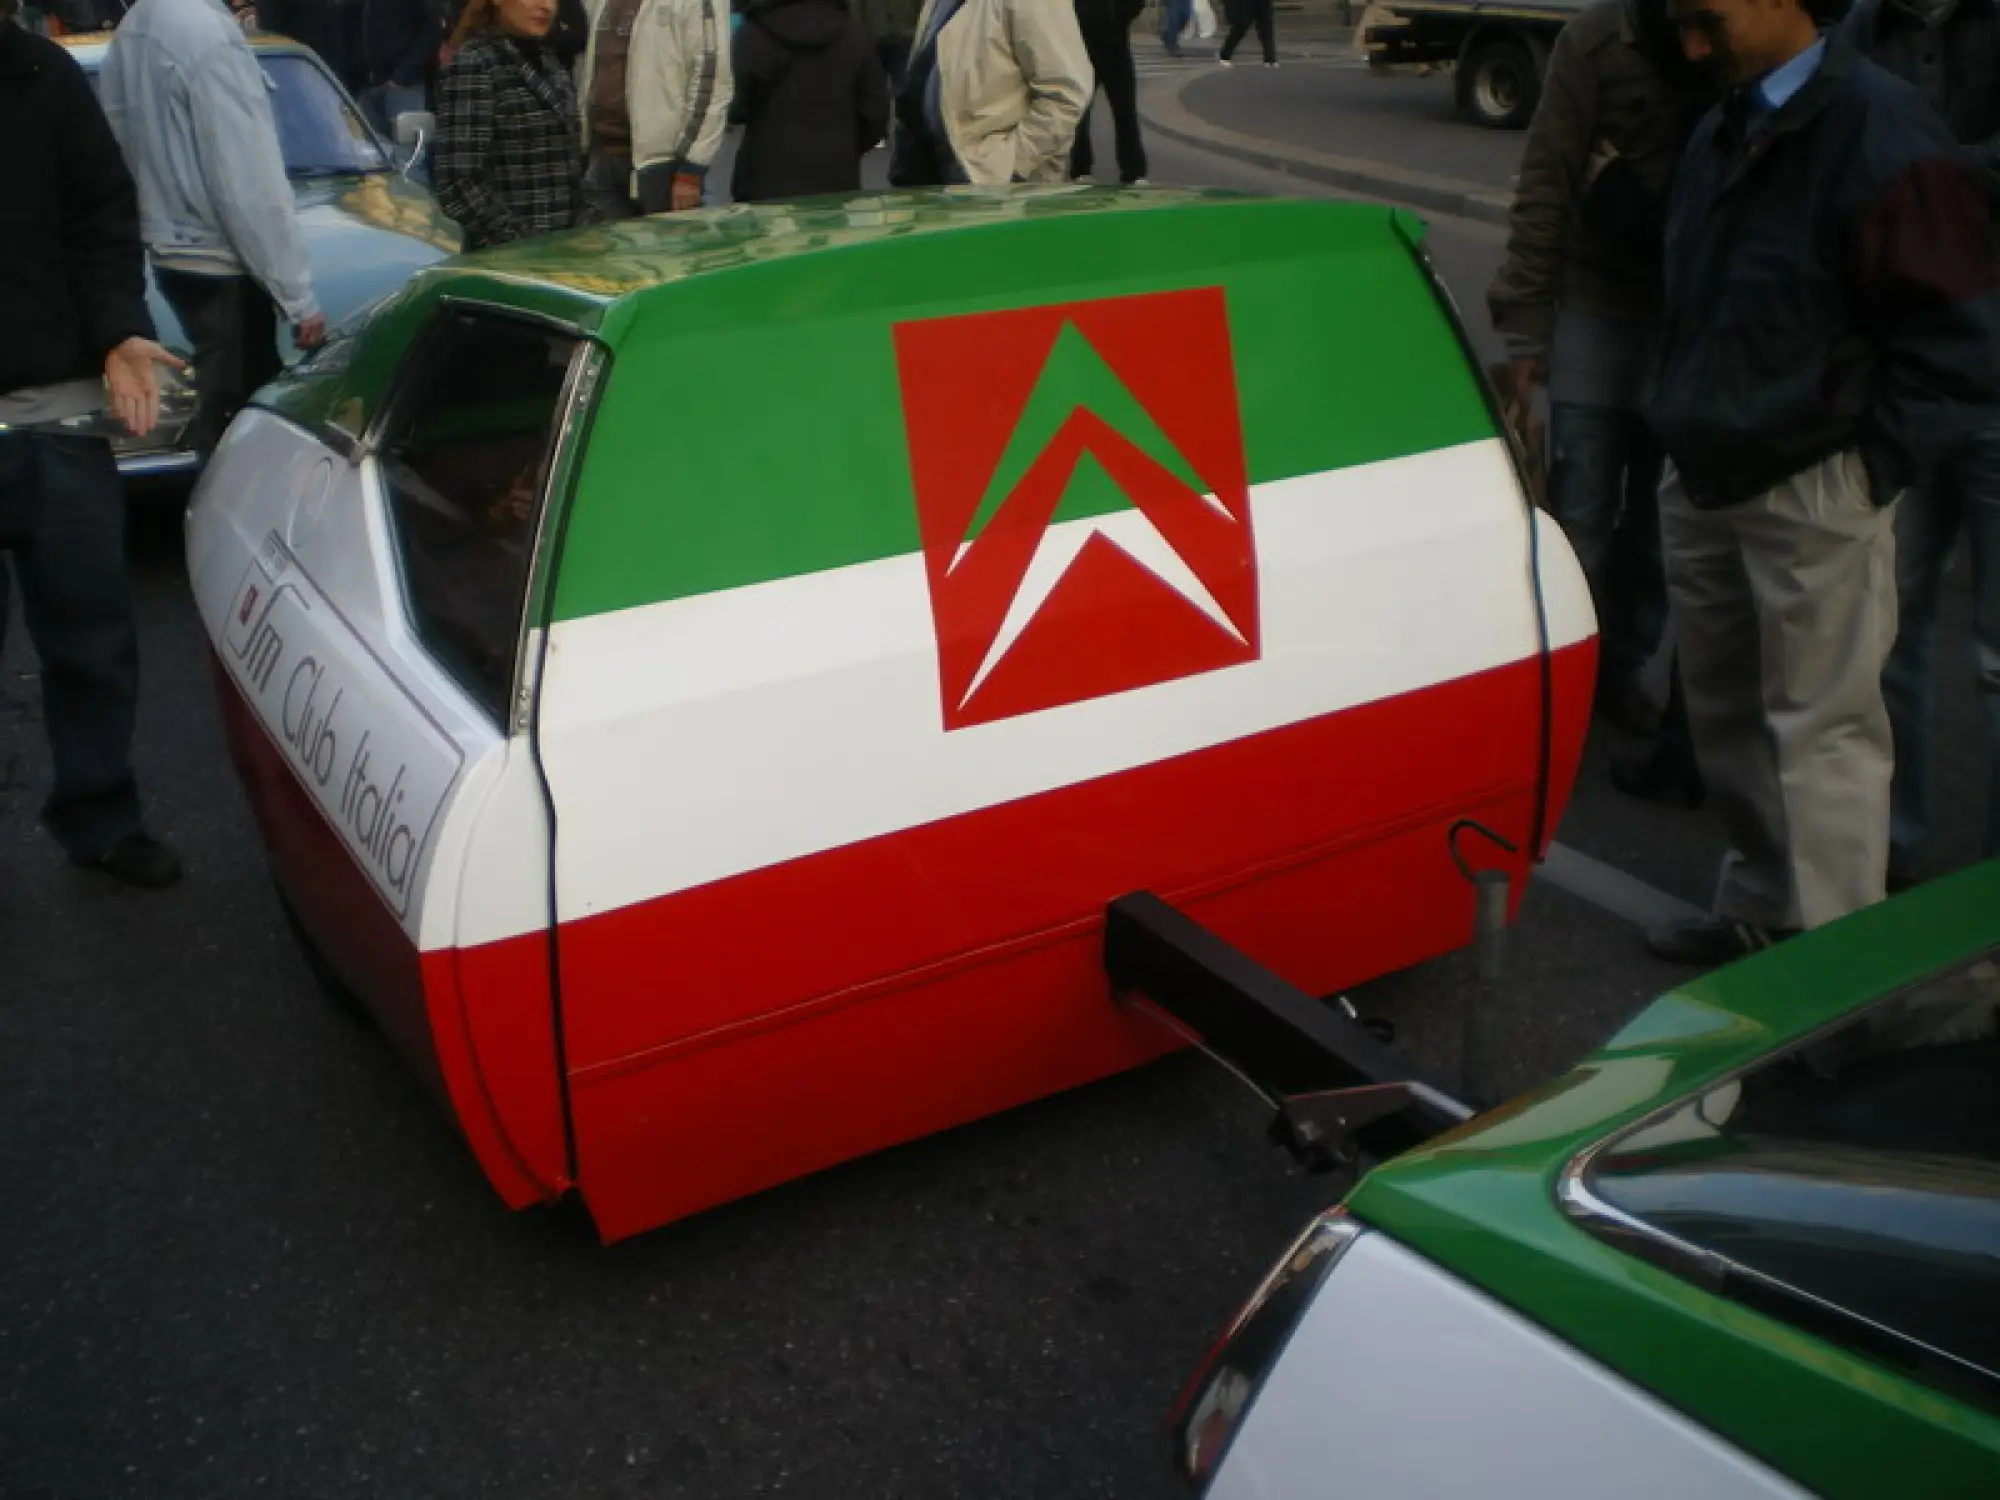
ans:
x=62 y=517
x=1965 y=497
x=1175 y=17
x=1604 y=491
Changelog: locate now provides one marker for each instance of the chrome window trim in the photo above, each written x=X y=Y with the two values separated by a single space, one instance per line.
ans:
x=578 y=405
x=1726 y=1278
x=366 y=456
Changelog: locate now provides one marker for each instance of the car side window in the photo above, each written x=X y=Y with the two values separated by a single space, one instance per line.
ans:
x=1850 y=1187
x=465 y=455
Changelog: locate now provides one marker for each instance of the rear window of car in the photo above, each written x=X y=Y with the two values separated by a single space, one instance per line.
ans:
x=465 y=452
x=1850 y=1186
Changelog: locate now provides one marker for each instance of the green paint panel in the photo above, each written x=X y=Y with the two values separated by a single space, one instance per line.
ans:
x=1482 y=1202
x=1074 y=376
x=752 y=429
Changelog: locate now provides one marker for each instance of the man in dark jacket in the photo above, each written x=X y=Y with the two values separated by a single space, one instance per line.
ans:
x=812 y=98
x=1107 y=36
x=398 y=52
x=1949 y=49
x=1578 y=301
x=1832 y=334
x=73 y=328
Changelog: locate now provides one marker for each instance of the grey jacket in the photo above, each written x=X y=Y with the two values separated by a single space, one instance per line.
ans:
x=1604 y=94
x=190 y=107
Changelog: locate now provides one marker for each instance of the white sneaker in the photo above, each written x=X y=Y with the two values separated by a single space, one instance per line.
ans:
x=1223 y=62
x=1086 y=180
x=1270 y=65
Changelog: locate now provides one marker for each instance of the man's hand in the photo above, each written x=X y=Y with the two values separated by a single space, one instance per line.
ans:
x=311 y=333
x=1526 y=373
x=686 y=192
x=134 y=386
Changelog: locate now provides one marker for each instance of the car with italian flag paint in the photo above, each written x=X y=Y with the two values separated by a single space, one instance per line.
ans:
x=700 y=680
x=1749 y=1248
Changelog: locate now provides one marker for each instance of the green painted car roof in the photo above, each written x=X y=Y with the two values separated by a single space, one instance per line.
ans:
x=610 y=263
x=1482 y=1202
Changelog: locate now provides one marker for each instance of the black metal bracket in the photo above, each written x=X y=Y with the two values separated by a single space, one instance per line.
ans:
x=1339 y=1090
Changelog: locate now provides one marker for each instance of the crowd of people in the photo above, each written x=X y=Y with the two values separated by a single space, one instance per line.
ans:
x=1751 y=262
x=1751 y=266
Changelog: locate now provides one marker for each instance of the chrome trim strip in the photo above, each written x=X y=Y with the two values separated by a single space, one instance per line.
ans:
x=158 y=465
x=1578 y=1201
x=586 y=374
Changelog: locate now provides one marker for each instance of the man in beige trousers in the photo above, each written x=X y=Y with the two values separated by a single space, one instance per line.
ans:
x=1832 y=333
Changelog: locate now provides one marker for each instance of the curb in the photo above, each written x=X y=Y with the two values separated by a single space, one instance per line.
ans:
x=1161 y=109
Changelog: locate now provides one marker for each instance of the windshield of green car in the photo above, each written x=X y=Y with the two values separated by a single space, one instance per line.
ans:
x=1850 y=1186
x=320 y=132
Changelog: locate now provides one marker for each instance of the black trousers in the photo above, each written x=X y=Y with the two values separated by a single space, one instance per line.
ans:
x=1243 y=14
x=234 y=329
x=62 y=523
x=1111 y=58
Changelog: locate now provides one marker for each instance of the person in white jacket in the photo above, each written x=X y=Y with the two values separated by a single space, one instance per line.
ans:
x=189 y=105
x=993 y=93
x=654 y=87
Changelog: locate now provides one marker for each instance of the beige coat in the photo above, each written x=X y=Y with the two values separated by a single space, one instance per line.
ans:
x=662 y=80
x=1014 y=79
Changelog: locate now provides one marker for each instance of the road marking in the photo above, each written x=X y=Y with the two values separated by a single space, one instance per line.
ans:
x=1610 y=889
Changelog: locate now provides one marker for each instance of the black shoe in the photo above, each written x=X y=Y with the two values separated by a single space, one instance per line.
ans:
x=138 y=859
x=1667 y=780
x=1623 y=704
x=1709 y=942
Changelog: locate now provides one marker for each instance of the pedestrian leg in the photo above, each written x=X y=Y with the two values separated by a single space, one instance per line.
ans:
x=1240 y=16
x=1722 y=675
x=1266 y=30
x=234 y=329
x=1927 y=522
x=1119 y=77
x=1082 y=155
x=1979 y=486
x=607 y=188
x=78 y=605
x=1821 y=559
x=1588 y=448
x=1636 y=569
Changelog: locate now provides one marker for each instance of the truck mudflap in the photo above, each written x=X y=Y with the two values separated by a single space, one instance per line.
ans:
x=1341 y=1092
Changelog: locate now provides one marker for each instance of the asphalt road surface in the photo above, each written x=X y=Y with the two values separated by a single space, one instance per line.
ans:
x=241 y=1255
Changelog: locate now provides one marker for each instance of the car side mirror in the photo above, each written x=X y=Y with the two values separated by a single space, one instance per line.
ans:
x=413 y=128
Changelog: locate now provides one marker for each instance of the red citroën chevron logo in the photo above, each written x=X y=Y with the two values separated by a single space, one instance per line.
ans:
x=1082 y=499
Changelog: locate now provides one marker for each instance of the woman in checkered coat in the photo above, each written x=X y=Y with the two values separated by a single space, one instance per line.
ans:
x=509 y=157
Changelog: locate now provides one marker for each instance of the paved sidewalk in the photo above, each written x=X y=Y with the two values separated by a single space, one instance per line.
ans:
x=1328 y=119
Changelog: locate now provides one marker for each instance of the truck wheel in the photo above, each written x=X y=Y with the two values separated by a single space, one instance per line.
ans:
x=1500 y=82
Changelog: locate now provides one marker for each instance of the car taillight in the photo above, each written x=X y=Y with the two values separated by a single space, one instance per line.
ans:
x=1212 y=1406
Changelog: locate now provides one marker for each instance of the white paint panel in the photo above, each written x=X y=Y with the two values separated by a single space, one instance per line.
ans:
x=694 y=740
x=279 y=513
x=1403 y=1381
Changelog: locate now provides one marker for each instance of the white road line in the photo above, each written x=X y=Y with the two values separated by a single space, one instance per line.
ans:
x=1611 y=889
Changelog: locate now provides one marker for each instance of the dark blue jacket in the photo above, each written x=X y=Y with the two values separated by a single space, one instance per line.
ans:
x=1830 y=284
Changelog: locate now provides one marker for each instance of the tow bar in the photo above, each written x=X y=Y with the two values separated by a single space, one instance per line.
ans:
x=1340 y=1092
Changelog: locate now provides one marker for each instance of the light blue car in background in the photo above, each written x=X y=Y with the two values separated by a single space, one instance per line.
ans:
x=369 y=225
